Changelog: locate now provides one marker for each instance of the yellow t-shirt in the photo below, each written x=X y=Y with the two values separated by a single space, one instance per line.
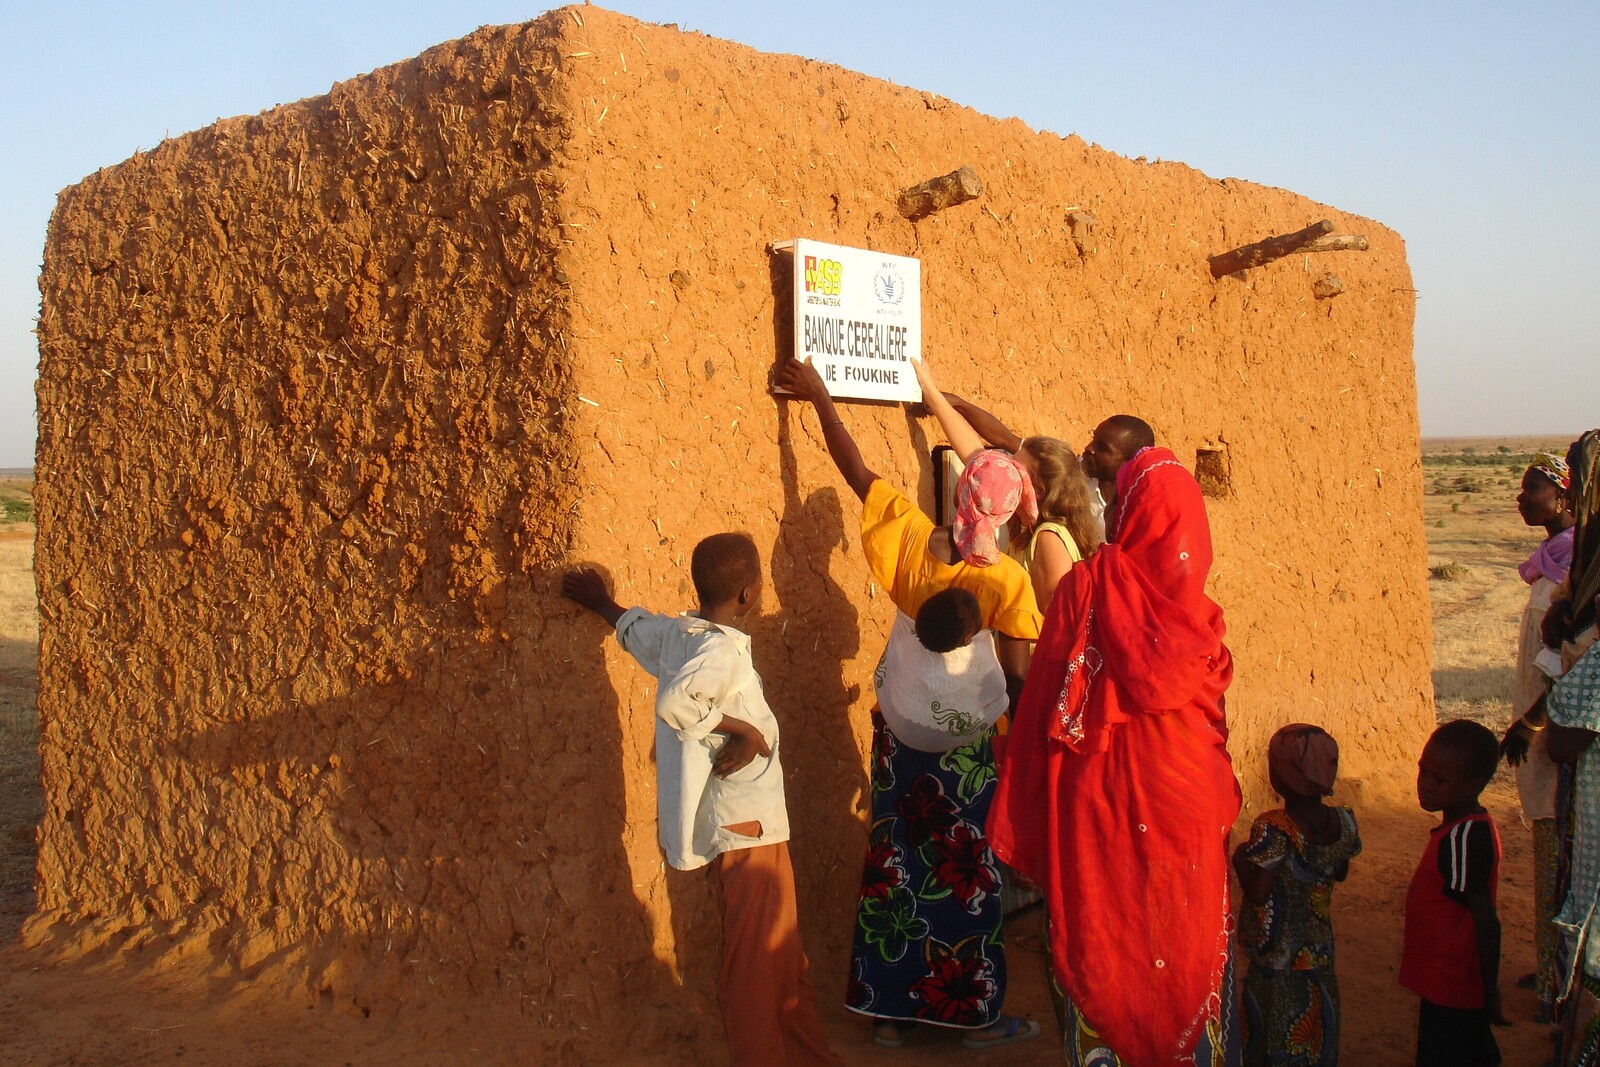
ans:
x=895 y=533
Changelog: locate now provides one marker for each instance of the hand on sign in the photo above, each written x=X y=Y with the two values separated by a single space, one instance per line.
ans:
x=924 y=374
x=803 y=381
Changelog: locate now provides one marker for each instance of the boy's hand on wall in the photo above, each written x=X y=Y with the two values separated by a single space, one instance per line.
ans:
x=587 y=588
x=744 y=743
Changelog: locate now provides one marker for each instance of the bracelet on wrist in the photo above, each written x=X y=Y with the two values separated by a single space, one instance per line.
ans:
x=1522 y=720
x=835 y=422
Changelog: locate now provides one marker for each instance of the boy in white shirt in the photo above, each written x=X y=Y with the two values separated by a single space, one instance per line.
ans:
x=719 y=794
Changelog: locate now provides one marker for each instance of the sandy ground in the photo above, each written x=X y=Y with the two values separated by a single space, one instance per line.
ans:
x=163 y=1001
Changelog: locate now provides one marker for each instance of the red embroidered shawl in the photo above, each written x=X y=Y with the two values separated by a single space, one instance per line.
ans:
x=1116 y=793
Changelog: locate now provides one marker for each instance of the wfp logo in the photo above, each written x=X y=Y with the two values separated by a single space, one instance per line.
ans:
x=889 y=286
x=823 y=276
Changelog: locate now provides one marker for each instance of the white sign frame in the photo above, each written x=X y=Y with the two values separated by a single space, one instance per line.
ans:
x=858 y=317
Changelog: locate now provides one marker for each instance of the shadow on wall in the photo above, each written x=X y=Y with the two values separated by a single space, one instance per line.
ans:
x=803 y=652
x=21 y=797
x=477 y=836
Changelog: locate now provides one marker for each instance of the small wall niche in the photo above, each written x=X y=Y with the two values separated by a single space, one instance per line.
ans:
x=1213 y=471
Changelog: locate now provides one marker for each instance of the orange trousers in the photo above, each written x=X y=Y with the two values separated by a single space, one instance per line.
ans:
x=768 y=1006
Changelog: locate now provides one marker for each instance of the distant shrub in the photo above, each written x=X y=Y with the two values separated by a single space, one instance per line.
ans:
x=1517 y=460
x=1504 y=450
x=16 y=511
x=1455 y=505
x=1447 y=572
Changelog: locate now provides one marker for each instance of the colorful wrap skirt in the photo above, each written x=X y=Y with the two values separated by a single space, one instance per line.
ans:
x=1291 y=1018
x=927 y=938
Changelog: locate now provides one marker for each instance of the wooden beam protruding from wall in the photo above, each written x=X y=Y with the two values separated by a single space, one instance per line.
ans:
x=1338 y=242
x=1262 y=252
x=936 y=194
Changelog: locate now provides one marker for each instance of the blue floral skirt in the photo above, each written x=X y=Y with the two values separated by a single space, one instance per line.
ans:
x=927 y=938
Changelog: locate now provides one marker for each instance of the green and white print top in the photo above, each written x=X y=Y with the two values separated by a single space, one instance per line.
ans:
x=1575 y=701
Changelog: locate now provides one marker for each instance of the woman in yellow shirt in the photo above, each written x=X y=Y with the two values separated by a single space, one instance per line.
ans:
x=928 y=947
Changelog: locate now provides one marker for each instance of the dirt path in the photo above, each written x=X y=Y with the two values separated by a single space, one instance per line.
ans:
x=141 y=1006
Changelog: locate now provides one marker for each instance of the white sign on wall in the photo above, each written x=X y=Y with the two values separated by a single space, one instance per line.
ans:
x=858 y=317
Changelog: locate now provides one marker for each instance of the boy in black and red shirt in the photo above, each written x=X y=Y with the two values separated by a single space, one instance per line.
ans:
x=1452 y=945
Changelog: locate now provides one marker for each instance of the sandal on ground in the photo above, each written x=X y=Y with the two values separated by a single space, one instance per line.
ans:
x=892 y=1033
x=1011 y=1029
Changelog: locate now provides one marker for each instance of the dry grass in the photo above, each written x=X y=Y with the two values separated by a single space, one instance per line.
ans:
x=16 y=501
x=21 y=802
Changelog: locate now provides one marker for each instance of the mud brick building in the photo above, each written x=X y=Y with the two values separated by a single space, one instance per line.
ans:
x=330 y=395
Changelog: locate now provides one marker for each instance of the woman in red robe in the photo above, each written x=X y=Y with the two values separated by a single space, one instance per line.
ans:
x=1116 y=794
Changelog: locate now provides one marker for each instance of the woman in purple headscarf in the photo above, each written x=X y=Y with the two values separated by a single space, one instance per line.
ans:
x=1544 y=501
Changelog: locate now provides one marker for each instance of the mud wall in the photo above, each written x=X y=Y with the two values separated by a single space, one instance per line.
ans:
x=329 y=396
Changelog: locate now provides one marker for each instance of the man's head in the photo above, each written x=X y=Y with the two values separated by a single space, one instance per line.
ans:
x=1115 y=442
x=948 y=620
x=1457 y=762
x=726 y=569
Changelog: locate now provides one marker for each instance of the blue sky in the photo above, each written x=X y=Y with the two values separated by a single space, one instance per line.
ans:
x=1469 y=127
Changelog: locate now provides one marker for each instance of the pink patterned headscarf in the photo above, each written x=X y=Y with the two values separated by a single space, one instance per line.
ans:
x=991 y=489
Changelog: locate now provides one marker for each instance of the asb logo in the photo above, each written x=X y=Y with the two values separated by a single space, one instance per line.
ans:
x=823 y=276
x=889 y=285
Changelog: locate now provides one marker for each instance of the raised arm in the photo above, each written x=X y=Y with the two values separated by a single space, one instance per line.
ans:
x=987 y=426
x=957 y=430
x=803 y=381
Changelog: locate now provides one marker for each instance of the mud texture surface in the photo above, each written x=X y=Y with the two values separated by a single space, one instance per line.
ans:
x=330 y=396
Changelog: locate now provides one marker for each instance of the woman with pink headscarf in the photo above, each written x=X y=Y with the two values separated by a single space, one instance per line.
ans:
x=927 y=946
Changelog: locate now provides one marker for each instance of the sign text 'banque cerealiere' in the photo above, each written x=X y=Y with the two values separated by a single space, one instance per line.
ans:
x=858 y=317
